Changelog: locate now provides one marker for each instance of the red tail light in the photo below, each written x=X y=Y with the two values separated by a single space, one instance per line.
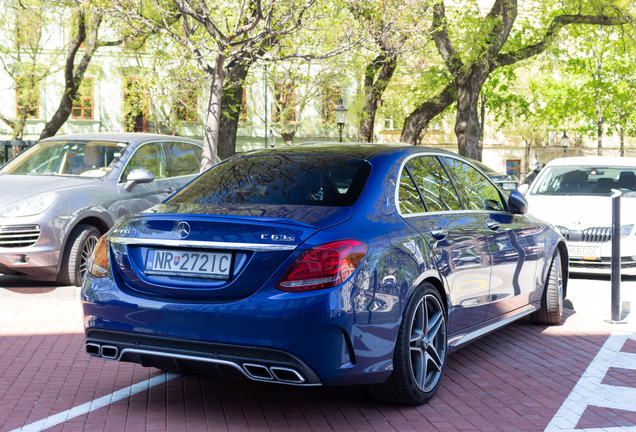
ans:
x=98 y=264
x=323 y=266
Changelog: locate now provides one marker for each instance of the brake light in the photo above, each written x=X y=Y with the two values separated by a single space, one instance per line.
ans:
x=98 y=264
x=323 y=266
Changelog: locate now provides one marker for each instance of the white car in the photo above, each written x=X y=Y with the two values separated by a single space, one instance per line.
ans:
x=575 y=195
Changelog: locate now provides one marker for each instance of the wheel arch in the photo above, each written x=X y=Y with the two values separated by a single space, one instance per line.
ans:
x=439 y=286
x=100 y=223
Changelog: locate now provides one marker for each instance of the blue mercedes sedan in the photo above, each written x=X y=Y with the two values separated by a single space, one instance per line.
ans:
x=323 y=265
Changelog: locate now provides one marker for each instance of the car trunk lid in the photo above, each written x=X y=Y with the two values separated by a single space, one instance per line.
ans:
x=212 y=252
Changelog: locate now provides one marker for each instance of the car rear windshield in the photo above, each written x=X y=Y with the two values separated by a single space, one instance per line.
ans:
x=578 y=180
x=280 y=179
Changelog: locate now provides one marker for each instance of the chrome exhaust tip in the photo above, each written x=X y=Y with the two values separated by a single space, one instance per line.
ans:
x=110 y=352
x=93 y=349
x=287 y=375
x=258 y=372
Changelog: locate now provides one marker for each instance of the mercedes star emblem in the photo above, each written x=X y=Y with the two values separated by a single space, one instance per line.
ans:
x=183 y=229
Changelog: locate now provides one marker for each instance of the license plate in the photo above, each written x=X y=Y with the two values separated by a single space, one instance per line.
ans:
x=592 y=253
x=168 y=262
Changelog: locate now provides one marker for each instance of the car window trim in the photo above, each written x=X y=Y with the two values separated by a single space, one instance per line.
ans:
x=396 y=192
x=140 y=145
x=501 y=195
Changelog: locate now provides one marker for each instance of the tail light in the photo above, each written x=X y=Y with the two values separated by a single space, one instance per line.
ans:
x=98 y=263
x=323 y=266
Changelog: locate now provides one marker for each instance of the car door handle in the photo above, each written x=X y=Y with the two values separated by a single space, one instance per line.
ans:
x=492 y=224
x=169 y=190
x=439 y=233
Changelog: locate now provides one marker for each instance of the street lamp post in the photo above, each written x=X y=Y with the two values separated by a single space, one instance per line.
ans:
x=341 y=112
x=564 y=142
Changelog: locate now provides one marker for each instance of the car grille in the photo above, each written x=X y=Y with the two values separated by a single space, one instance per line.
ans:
x=19 y=236
x=589 y=235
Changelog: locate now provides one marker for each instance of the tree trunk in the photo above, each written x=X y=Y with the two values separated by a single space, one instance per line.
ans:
x=213 y=118
x=599 y=127
x=373 y=90
x=419 y=119
x=467 y=124
x=231 y=107
x=482 y=122
x=72 y=79
x=621 y=132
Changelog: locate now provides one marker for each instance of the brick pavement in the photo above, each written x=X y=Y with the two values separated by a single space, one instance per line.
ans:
x=516 y=379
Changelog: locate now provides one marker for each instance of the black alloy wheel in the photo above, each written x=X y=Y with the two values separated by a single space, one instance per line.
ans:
x=420 y=351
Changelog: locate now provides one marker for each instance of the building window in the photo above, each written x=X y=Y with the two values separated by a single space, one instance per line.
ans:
x=136 y=104
x=513 y=167
x=83 y=104
x=27 y=96
x=27 y=28
x=186 y=106
x=330 y=99
x=283 y=110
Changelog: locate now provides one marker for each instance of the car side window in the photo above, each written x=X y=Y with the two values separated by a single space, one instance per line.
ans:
x=149 y=156
x=408 y=197
x=183 y=158
x=478 y=192
x=434 y=184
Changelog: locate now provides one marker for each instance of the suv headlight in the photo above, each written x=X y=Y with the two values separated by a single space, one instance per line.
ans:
x=31 y=207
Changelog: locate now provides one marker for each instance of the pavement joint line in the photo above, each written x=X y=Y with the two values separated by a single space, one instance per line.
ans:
x=589 y=390
x=96 y=404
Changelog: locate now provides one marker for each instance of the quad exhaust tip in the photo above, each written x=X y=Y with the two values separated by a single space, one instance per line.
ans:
x=273 y=373
x=110 y=352
x=254 y=371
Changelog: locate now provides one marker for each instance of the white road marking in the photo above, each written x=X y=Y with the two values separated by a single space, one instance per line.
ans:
x=95 y=404
x=589 y=391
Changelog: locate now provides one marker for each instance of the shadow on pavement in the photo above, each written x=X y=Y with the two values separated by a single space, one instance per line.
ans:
x=13 y=285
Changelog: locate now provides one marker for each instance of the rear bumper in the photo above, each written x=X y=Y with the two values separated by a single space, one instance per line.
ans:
x=291 y=338
x=184 y=356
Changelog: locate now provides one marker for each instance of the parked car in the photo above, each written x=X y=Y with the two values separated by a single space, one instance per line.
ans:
x=320 y=265
x=575 y=195
x=61 y=194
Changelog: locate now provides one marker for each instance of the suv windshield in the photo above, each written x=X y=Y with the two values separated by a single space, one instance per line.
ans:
x=578 y=180
x=87 y=158
x=279 y=179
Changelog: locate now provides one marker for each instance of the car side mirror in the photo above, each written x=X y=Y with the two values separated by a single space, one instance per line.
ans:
x=517 y=203
x=523 y=188
x=136 y=176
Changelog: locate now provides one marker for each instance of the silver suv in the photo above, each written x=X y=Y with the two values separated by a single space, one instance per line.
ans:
x=60 y=195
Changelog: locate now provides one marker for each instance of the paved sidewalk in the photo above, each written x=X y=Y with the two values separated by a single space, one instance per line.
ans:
x=580 y=375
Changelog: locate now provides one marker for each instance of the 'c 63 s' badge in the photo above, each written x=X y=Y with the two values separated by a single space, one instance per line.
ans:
x=278 y=237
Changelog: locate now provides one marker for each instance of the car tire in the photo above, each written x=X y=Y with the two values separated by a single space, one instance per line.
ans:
x=551 y=311
x=419 y=359
x=79 y=248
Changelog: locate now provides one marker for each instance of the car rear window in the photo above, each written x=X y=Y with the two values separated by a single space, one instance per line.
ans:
x=317 y=180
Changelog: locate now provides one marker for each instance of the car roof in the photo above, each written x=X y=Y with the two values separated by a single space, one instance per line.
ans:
x=129 y=137
x=594 y=161
x=350 y=149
